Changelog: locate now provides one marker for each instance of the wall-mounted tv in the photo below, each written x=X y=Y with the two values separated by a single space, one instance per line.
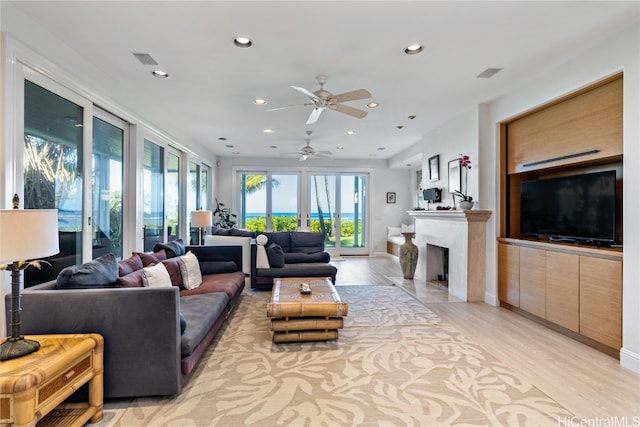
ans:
x=580 y=208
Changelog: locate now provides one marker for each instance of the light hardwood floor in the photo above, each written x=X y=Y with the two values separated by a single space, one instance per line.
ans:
x=590 y=384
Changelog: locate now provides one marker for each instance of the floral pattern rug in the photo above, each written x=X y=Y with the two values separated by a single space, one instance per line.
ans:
x=395 y=364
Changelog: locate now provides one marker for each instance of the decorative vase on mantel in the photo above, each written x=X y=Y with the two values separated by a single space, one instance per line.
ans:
x=408 y=256
x=465 y=205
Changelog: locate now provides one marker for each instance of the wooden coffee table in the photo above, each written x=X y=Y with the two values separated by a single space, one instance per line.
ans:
x=305 y=317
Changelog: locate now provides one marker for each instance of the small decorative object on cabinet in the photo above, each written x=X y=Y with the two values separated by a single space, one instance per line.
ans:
x=465 y=205
x=408 y=256
x=35 y=386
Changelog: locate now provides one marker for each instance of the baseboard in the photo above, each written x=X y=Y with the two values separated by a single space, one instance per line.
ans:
x=630 y=360
x=491 y=299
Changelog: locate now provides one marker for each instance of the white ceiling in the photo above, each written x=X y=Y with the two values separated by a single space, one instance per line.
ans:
x=358 y=44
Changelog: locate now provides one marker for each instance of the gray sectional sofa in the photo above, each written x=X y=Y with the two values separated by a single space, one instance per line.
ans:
x=154 y=336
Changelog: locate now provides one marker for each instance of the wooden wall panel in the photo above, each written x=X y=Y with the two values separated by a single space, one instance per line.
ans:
x=509 y=274
x=589 y=121
x=533 y=281
x=563 y=289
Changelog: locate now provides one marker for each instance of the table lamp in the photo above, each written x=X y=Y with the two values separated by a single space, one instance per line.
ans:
x=24 y=234
x=201 y=219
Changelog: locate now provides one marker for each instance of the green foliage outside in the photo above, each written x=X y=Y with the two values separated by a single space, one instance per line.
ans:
x=289 y=223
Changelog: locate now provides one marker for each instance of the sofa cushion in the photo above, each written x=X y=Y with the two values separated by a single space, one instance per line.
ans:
x=282 y=238
x=216 y=267
x=275 y=255
x=101 y=272
x=307 y=242
x=173 y=249
x=218 y=231
x=131 y=280
x=156 y=275
x=297 y=257
x=175 y=273
x=242 y=233
x=200 y=313
x=129 y=265
x=314 y=269
x=190 y=268
x=244 y=242
x=229 y=283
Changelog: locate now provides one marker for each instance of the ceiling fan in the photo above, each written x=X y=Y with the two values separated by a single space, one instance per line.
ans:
x=308 y=151
x=322 y=99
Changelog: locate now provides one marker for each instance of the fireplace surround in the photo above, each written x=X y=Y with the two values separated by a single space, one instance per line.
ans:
x=463 y=233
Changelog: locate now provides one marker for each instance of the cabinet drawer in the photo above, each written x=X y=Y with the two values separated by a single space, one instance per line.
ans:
x=63 y=382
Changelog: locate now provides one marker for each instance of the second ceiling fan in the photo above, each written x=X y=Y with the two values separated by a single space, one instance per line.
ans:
x=322 y=99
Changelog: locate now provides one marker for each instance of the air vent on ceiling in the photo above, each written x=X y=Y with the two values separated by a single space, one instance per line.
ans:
x=145 y=59
x=488 y=73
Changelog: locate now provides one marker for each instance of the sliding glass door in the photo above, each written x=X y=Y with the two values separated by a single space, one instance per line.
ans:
x=269 y=201
x=153 y=194
x=337 y=206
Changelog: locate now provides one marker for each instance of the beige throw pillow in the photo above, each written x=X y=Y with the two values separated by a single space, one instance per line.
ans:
x=190 y=269
x=156 y=275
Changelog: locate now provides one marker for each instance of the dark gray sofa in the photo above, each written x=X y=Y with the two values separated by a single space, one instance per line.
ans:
x=145 y=351
x=304 y=256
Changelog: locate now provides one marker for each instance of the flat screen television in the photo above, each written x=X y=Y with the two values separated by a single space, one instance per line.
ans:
x=580 y=208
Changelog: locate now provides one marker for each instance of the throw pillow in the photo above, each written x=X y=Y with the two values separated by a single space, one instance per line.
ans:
x=393 y=231
x=152 y=258
x=129 y=265
x=156 y=275
x=190 y=268
x=173 y=268
x=262 y=239
x=102 y=272
x=407 y=228
x=131 y=280
x=183 y=324
x=173 y=249
x=262 y=260
x=275 y=255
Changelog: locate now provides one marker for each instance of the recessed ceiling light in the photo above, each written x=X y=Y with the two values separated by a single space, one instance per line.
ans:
x=222 y=138
x=351 y=132
x=399 y=126
x=160 y=74
x=372 y=155
x=242 y=41
x=268 y=131
x=488 y=73
x=411 y=117
x=273 y=146
x=339 y=147
x=408 y=165
x=412 y=49
x=229 y=146
x=260 y=101
x=372 y=105
x=381 y=148
x=235 y=152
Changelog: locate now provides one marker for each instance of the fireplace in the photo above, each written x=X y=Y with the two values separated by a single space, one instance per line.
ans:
x=437 y=264
x=463 y=235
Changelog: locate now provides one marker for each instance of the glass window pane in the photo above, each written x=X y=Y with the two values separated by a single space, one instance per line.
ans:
x=53 y=172
x=323 y=205
x=204 y=187
x=153 y=194
x=353 y=215
x=173 y=196
x=108 y=141
x=192 y=198
x=284 y=202
x=253 y=202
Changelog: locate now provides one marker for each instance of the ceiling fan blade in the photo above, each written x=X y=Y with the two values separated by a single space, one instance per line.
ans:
x=303 y=158
x=315 y=115
x=355 y=112
x=306 y=92
x=289 y=106
x=351 y=96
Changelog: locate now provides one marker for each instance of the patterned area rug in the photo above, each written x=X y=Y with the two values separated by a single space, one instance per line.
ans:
x=395 y=364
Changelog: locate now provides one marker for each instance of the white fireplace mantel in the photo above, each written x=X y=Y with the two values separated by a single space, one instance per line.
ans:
x=464 y=234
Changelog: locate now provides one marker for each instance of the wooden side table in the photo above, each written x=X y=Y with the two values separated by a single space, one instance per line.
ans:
x=33 y=387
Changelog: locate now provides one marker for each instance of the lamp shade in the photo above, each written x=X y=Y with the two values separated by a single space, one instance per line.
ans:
x=28 y=234
x=201 y=218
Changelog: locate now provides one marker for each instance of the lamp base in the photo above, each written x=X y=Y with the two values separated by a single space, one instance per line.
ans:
x=17 y=347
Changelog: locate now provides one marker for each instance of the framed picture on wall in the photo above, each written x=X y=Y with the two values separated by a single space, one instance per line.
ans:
x=391 y=197
x=454 y=176
x=434 y=168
